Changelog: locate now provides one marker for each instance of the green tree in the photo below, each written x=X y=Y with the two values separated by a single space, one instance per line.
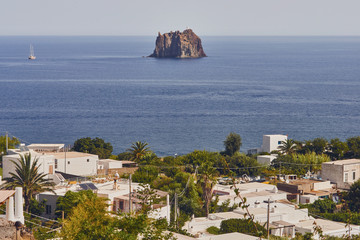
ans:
x=337 y=149
x=242 y=226
x=89 y=220
x=138 y=150
x=207 y=181
x=288 y=147
x=241 y=164
x=94 y=146
x=324 y=206
x=12 y=142
x=301 y=163
x=232 y=143
x=318 y=145
x=354 y=147
x=71 y=200
x=26 y=175
x=353 y=197
x=37 y=207
x=145 y=174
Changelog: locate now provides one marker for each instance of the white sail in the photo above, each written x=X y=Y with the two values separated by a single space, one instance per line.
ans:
x=32 y=56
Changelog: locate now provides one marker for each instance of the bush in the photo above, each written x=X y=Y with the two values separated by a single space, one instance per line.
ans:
x=213 y=230
x=242 y=226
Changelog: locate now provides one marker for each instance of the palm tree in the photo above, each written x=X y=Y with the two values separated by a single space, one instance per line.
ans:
x=27 y=176
x=287 y=147
x=138 y=150
x=207 y=181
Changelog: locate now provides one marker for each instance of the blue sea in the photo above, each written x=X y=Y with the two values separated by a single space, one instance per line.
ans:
x=305 y=87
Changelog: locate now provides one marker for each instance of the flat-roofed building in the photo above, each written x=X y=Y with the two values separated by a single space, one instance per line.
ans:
x=342 y=172
x=307 y=190
x=272 y=142
x=46 y=147
x=75 y=163
x=45 y=164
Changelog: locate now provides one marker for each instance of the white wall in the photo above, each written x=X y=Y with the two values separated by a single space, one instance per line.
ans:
x=265 y=159
x=322 y=185
x=272 y=142
x=78 y=165
x=44 y=163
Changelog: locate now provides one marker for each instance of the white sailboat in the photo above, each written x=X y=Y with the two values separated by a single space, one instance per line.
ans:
x=32 y=56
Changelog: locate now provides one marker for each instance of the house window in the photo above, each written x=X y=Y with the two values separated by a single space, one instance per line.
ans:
x=88 y=160
x=48 y=209
x=56 y=163
x=279 y=142
x=354 y=175
x=68 y=162
x=121 y=205
x=346 y=177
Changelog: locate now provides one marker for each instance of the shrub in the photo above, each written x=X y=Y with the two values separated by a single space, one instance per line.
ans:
x=213 y=230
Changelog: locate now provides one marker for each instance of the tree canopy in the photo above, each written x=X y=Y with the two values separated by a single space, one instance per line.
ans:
x=232 y=143
x=94 y=146
x=12 y=142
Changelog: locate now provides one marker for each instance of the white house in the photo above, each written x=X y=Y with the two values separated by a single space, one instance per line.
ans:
x=269 y=144
x=45 y=165
x=76 y=163
x=253 y=192
x=116 y=193
x=272 y=142
x=329 y=228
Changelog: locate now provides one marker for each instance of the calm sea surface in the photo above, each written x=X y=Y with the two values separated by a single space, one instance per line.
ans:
x=305 y=87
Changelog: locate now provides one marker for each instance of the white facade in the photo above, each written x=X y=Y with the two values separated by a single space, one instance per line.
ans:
x=253 y=192
x=272 y=142
x=266 y=159
x=109 y=164
x=283 y=216
x=76 y=163
x=109 y=190
x=328 y=227
x=46 y=147
x=45 y=163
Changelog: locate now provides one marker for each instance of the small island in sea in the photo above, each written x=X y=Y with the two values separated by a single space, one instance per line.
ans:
x=178 y=44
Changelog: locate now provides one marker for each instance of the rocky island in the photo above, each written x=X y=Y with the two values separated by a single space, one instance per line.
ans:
x=178 y=44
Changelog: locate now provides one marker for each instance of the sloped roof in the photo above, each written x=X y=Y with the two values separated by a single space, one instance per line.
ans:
x=5 y=194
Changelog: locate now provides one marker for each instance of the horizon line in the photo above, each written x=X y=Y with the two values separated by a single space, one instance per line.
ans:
x=90 y=35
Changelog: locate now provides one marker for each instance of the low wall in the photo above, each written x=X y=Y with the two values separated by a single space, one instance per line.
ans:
x=120 y=171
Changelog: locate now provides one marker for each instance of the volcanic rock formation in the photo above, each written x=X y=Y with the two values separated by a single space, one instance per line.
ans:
x=178 y=44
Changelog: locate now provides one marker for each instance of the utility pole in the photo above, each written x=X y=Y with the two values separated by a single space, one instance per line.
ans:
x=280 y=170
x=130 y=203
x=175 y=218
x=268 y=219
x=7 y=143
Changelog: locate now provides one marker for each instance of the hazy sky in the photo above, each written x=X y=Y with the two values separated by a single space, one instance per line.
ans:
x=205 y=17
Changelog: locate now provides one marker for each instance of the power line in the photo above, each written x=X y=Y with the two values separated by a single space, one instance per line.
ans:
x=42 y=217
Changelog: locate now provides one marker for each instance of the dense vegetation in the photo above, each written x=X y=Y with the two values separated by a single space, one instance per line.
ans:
x=94 y=146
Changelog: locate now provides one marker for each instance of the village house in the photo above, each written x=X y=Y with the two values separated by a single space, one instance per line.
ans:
x=307 y=190
x=342 y=172
x=270 y=143
x=111 y=167
x=253 y=192
x=117 y=193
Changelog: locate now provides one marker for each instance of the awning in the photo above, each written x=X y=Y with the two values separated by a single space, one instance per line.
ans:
x=5 y=194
